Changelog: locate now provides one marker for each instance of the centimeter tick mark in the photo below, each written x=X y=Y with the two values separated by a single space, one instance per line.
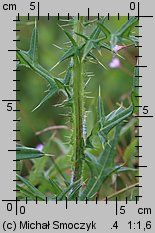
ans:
x=140 y=66
x=138 y=46
x=98 y=16
x=88 y=14
x=143 y=116
x=116 y=206
x=138 y=126
x=17 y=18
x=66 y=203
x=38 y=10
x=16 y=40
x=11 y=100
x=13 y=150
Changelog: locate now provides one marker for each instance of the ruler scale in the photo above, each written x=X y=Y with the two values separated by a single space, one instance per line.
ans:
x=67 y=216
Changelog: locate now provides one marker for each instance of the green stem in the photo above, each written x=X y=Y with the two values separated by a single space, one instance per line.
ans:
x=78 y=105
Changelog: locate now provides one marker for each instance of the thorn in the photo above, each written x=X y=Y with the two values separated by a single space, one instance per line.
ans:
x=57 y=46
x=99 y=91
x=35 y=23
x=55 y=65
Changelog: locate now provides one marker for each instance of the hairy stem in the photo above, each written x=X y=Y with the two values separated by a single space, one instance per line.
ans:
x=78 y=105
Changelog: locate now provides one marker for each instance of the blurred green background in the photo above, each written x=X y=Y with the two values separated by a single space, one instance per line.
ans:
x=116 y=85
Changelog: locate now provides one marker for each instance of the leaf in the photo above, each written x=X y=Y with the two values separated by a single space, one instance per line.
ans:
x=55 y=187
x=106 y=46
x=108 y=123
x=93 y=41
x=105 y=31
x=24 y=152
x=92 y=135
x=30 y=59
x=26 y=61
x=115 y=120
x=63 y=162
x=73 y=192
x=51 y=93
x=87 y=48
x=26 y=192
x=95 y=34
x=68 y=75
x=71 y=38
x=70 y=53
x=126 y=27
x=125 y=169
x=33 y=189
x=124 y=31
x=70 y=187
x=101 y=169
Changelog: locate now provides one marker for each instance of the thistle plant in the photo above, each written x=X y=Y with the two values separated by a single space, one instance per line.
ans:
x=88 y=171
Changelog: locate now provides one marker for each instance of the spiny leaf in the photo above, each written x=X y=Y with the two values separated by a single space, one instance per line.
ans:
x=24 y=152
x=26 y=60
x=70 y=53
x=118 y=118
x=33 y=189
x=38 y=69
x=92 y=41
x=108 y=123
x=105 y=31
x=51 y=93
x=101 y=169
x=30 y=59
x=87 y=48
x=126 y=27
x=95 y=34
x=124 y=31
x=71 y=38
x=68 y=75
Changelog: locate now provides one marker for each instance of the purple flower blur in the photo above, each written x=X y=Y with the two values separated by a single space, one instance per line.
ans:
x=39 y=147
x=115 y=63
